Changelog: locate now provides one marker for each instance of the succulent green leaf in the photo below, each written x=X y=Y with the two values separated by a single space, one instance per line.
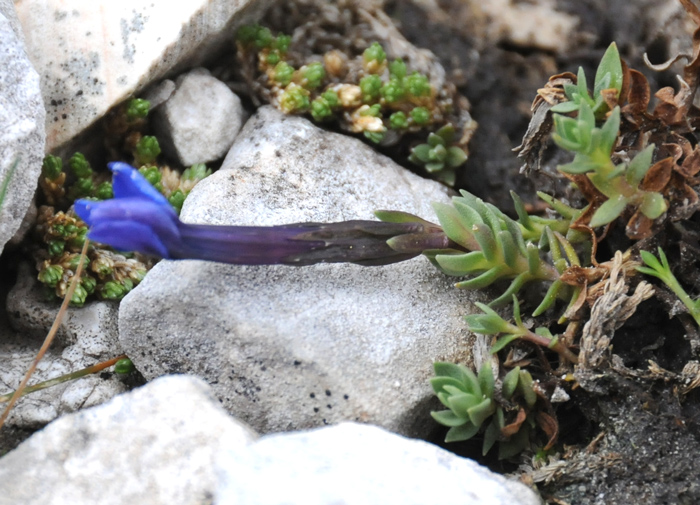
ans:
x=581 y=83
x=460 y=433
x=439 y=383
x=454 y=227
x=483 y=280
x=479 y=413
x=653 y=205
x=523 y=216
x=462 y=264
x=639 y=166
x=513 y=288
x=490 y=437
x=609 y=211
x=503 y=342
x=455 y=157
x=445 y=369
x=610 y=65
x=533 y=258
x=486 y=380
x=461 y=403
x=609 y=131
x=509 y=247
x=449 y=418
x=525 y=388
x=470 y=216
x=433 y=167
x=435 y=140
x=487 y=242
x=510 y=383
x=565 y=107
x=549 y=298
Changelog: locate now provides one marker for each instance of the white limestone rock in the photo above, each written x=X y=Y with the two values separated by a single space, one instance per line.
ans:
x=92 y=55
x=22 y=119
x=356 y=464
x=200 y=120
x=170 y=443
x=153 y=446
x=290 y=348
x=87 y=337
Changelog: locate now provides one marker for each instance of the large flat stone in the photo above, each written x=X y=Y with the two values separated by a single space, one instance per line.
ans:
x=289 y=348
x=92 y=55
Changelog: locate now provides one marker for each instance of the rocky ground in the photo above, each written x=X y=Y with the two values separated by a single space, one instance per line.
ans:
x=268 y=351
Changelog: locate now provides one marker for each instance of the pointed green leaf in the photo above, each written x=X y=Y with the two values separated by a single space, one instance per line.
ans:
x=639 y=166
x=447 y=132
x=502 y=342
x=487 y=242
x=653 y=205
x=513 y=288
x=449 y=418
x=483 y=280
x=525 y=387
x=434 y=140
x=454 y=227
x=455 y=157
x=581 y=83
x=422 y=152
x=609 y=211
x=470 y=217
x=479 y=413
x=611 y=65
x=558 y=205
x=439 y=383
x=510 y=382
x=510 y=249
x=486 y=380
x=433 y=167
x=460 y=433
x=549 y=298
x=565 y=107
x=445 y=369
x=461 y=403
x=609 y=131
x=462 y=264
x=490 y=437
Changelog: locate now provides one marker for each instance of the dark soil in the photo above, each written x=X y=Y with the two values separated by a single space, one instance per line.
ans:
x=646 y=432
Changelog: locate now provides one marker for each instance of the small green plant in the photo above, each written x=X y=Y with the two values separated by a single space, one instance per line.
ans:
x=382 y=101
x=662 y=270
x=439 y=155
x=478 y=404
x=593 y=145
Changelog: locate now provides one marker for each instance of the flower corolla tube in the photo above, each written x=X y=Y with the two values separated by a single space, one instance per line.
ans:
x=139 y=218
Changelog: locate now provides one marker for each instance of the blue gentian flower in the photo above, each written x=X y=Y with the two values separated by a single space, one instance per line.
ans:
x=139 y=218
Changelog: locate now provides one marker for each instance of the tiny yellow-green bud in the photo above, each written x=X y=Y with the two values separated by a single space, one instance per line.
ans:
x=51 y=275
x=370 y=85
x=420 y=115
x=374 y=52
x=283 y=73
x=137 y=109
x=80 y=166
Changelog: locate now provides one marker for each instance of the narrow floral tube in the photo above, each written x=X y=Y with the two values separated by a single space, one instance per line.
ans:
x=141 y=219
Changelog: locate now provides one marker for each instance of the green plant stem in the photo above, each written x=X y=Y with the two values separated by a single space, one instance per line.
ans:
x=557 y=347
x=64 y=378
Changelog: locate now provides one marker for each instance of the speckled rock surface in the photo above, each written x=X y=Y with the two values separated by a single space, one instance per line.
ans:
x=21 y=124
x=87 y=336
x=154 y=446
x=200 y=120
x=170 y=443
x=92 y=55
x=289 y=348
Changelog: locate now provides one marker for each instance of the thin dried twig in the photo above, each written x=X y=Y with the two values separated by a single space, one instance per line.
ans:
x=49 y=338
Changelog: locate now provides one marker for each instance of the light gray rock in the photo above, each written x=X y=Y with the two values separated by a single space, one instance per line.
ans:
x=200 y=120
x=155 y=445
x=87 y=337
x=355 y=464
x=92 y=55
x=170 y=443
x=94 y=325
x=289 y=348
x=22 y=119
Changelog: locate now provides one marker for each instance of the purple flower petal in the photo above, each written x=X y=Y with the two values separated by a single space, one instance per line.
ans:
x=128 y=236
x=129 y=183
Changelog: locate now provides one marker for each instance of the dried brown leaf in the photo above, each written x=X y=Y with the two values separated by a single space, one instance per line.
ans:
x=550 y=426
x=658 y=175
x=514 y=427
